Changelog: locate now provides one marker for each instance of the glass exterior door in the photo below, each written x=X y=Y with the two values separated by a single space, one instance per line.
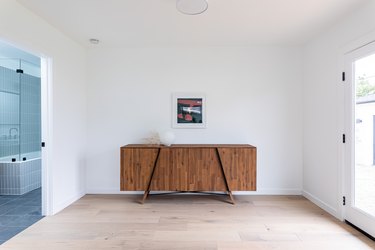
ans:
x=360 y=160
x=364 y=167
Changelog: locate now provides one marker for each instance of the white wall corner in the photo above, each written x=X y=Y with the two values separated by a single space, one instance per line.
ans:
x=271 y=191
x=60 y=206
x=357 y=43
x=328 y=208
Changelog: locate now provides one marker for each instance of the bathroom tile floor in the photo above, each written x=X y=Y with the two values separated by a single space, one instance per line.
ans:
x=18 y=212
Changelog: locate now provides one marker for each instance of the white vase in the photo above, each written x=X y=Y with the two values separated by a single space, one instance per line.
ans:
x=167 y=138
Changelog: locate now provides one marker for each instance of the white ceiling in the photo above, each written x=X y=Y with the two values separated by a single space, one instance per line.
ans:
x=9 y=52
x=122 y=23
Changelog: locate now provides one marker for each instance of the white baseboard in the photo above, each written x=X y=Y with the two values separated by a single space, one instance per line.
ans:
x=59 y=207
x=333 y=211
x=110 y=191
x=258 y=192
x=270 y=191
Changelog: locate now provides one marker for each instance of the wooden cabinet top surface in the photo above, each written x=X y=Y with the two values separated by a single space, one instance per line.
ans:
x=189 y=146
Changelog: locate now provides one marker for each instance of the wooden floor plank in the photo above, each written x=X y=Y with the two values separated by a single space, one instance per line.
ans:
x=190 y=222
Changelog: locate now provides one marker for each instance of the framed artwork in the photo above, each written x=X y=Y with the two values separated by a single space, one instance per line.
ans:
x=188 y=110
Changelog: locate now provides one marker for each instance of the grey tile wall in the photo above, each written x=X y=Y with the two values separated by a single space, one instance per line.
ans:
x=30 y=114
x=9 y=112
x=20 y=113
x=9 y=80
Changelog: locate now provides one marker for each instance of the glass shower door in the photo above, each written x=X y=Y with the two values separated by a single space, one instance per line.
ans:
x=30 y=111
x=9 y=110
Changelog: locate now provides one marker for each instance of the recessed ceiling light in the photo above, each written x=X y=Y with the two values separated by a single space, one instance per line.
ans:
x=94 y=41
x=191 y=7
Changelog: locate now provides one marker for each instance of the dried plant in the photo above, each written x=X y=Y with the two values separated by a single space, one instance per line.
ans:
x=153 y=138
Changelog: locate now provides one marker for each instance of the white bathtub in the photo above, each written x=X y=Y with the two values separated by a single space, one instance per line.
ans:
x=28 y=156
x=20 y=177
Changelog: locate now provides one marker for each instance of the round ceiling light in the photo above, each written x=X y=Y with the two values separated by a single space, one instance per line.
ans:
x=94 y=41
x=192 y=7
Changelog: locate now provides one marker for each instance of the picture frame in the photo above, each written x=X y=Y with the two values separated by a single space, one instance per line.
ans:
x=189 y=110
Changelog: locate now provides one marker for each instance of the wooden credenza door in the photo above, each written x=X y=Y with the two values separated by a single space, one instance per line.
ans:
x=188 y=167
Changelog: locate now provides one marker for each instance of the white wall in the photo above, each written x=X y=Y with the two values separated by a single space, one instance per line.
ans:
x=253 y=96
x=323 y=108
x=258 y=89
x=27 y=31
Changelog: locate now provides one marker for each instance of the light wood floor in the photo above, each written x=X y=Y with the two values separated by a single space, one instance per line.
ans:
x=190 y=222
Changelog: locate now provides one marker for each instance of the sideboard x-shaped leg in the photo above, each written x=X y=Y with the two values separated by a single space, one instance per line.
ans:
x=147 y=191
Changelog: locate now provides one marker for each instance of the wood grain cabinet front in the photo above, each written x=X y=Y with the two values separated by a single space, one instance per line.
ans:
x=188 y=168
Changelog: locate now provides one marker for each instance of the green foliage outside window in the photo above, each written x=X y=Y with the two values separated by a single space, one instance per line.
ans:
x=364 y=87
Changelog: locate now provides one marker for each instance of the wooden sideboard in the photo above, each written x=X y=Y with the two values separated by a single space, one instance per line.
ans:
x=188 y=168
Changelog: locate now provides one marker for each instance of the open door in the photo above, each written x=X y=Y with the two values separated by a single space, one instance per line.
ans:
x=359 y=183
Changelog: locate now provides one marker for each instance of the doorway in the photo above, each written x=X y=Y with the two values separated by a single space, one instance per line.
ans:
x=20 y=141
x=359 y=181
